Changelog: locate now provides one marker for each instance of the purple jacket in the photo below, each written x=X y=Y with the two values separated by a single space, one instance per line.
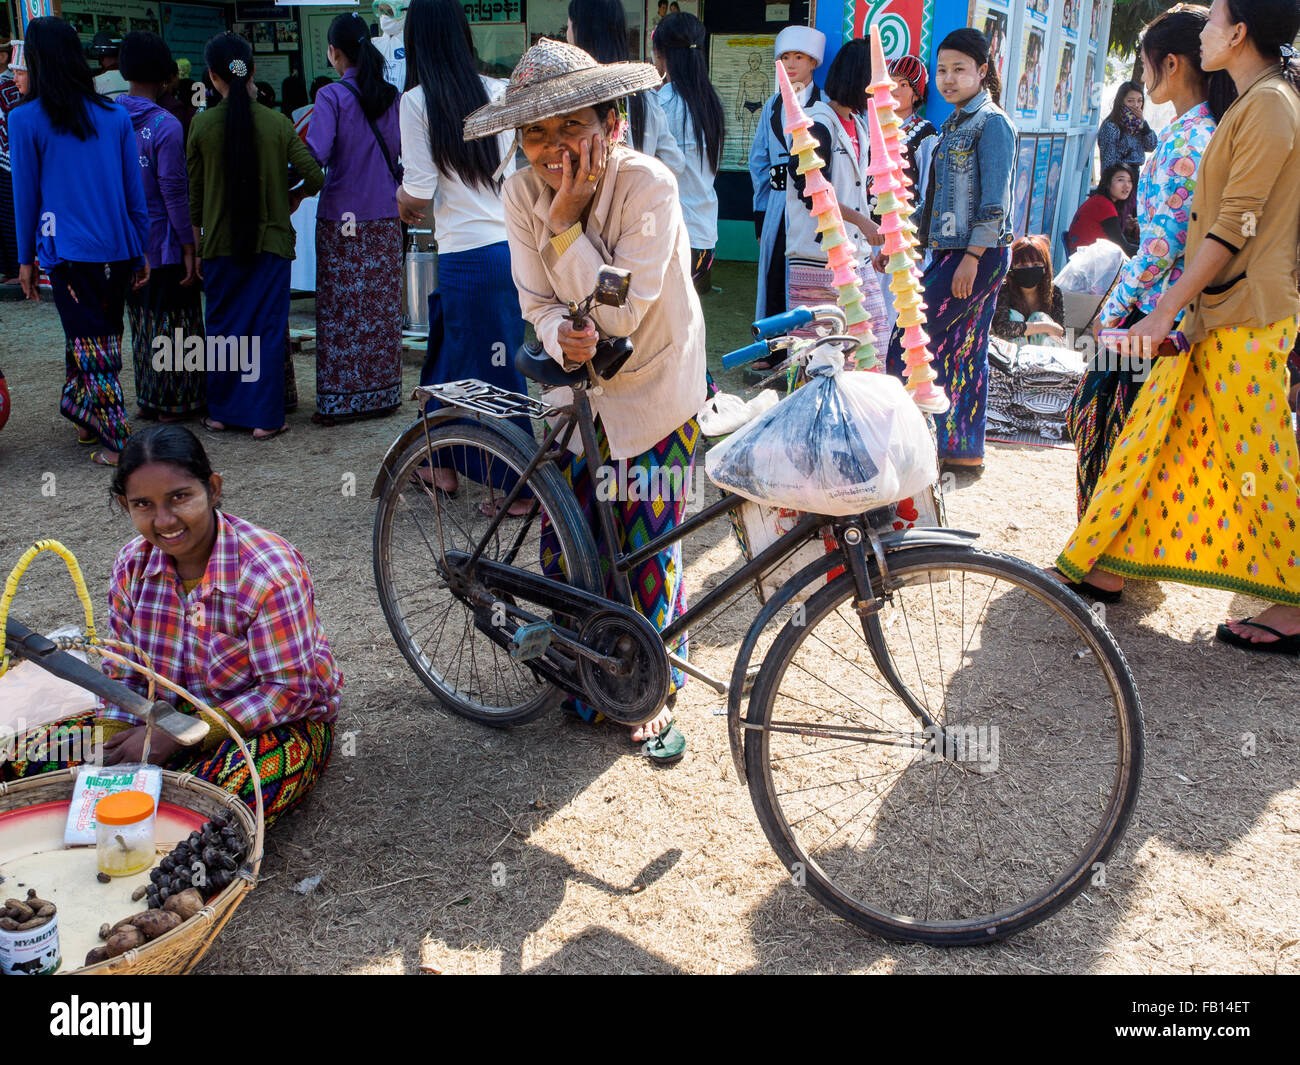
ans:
x=357 y=180
x=161 y=145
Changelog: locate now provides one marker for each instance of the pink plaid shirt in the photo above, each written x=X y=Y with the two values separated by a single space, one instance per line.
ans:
x=246 y=640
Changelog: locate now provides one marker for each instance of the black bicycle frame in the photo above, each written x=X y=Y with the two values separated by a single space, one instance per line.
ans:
x=579 y=413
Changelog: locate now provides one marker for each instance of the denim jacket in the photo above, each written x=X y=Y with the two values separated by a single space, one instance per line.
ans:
x=973 y=165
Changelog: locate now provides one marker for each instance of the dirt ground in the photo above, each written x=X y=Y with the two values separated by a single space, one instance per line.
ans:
x=550 y=848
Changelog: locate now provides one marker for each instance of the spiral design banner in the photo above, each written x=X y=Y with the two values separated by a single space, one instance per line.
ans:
x=904 y=24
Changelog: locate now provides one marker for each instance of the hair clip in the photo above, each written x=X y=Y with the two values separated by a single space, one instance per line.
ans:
x=238 y=68
x=1288 y=52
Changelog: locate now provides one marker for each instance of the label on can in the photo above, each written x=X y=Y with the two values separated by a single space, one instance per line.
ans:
x=31 y=953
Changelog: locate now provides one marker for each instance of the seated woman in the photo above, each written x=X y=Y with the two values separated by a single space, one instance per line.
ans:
x=1030 y=307
x=1098 y=217
x=588 y=200
x=224 y=609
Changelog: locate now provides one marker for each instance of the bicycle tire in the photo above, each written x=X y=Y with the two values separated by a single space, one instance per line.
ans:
x=903 y=899
x=520 y=695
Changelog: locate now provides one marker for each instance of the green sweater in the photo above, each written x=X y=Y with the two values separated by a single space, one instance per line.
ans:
x=278 y=146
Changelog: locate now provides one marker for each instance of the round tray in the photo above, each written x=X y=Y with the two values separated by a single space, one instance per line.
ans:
x=33 y=813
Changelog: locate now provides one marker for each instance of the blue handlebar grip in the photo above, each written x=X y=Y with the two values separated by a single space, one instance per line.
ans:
x=780 y=324
x=744 y=355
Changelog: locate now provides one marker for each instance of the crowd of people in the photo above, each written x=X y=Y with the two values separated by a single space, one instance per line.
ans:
x=585 y=158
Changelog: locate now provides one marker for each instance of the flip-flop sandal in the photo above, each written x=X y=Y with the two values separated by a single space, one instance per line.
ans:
x=1283 y=645
x=210 y=425
x=87 y=441
x=667 y=747
x=271 y=435
x=97 y=457
x=1088 y=590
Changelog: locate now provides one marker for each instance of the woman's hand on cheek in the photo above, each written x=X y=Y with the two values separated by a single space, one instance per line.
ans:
x=578 y=184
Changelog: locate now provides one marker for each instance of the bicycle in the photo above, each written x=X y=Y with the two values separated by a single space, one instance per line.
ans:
x=951 y=793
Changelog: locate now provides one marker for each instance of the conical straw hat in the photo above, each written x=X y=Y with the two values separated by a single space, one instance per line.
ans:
x=553 y=79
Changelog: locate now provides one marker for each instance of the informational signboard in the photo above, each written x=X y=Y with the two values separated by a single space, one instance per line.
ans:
x=991 y=18
x=1054 y=166
x=742 y=68
x=1029 y=88
x=1024 y=182
x=1038 y=198
x=187 y=28
x=1064 y=90
x=492 y=10
x=315 y=29
x=115 y=17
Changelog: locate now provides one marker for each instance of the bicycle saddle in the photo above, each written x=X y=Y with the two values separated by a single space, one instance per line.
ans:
x=533 y=362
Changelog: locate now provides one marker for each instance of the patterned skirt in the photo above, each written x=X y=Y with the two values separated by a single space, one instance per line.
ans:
x=290 y=759
x=162 y=309
x=358 y=317
x=959 y=341
x=1095 y=420
x=657 y=587
x=90 y=298
x=809 y=284
x=1203 y=486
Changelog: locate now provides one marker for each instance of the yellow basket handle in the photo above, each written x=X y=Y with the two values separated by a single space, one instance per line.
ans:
x=16 y=574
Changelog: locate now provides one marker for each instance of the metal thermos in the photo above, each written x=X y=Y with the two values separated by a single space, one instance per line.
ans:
x=421 y=278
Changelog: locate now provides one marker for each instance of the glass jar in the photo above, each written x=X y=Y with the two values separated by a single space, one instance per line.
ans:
x=124 y=833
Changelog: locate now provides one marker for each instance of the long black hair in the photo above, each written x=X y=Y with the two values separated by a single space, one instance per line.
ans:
x=57 y=76
x=971 y=42
x=1117 y=108
x=440 y=59
x=351 y=36
x=1107 y=175
x=1270 y=24
x=224 y=54
x=1178 y=32
x=600 y=30
x=172 y=444
x=680 y=39
x=849 y=75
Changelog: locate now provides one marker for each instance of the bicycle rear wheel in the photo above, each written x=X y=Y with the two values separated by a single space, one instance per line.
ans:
x=994 y=814
x=438 y=632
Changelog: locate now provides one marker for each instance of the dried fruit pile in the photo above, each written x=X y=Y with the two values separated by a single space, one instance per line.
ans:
x=22 y=916
x=206 y=861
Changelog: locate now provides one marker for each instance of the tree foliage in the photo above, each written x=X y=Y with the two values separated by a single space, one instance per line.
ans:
x=1127 y=19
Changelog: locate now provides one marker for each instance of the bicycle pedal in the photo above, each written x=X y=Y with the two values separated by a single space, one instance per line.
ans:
x=530 y=641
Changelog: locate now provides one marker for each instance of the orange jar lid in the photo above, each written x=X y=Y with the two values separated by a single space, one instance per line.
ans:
x=124 y=808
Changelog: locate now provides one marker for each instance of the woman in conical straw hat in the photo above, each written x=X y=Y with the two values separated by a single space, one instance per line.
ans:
x=586 y=201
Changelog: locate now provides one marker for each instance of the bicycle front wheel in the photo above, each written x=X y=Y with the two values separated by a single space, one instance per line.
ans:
x=954 y=768
x=451 y=647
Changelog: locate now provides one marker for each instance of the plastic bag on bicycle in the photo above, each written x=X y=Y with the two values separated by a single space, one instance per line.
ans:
x=845 y=442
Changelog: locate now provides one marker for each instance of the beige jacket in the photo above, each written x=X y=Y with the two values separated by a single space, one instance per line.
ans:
x=1248 y=197
x=635 y=224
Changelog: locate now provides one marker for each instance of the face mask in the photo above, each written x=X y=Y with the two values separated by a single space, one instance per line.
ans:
x=391 y=27
x=1028 y=276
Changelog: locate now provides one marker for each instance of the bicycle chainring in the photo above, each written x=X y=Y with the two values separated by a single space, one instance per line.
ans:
x=637 y=695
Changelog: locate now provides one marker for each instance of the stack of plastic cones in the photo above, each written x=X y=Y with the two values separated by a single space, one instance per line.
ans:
x=894 y=205
x=830 y=223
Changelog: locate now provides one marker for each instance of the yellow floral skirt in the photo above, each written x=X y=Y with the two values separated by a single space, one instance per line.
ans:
x=1203 y=486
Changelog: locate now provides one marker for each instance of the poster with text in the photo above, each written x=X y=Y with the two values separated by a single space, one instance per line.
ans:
x=492 y=10
x=658 y=10
x=1054 y=166
x=1070 y=18
x=1038 y=198
x=1094 y=21
x=1064 y=84
x=990 y=17
x=1030 y=86
x=117 y=17
x=743 y=71
x=1024 y=182
x=1091 y=88
x=1038 y=10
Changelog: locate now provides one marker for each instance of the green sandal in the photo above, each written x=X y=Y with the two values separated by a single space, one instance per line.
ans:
x=666 y=748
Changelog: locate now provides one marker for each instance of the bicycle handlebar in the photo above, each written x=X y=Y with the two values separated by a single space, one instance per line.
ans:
x=779 y=324
x=747 y=354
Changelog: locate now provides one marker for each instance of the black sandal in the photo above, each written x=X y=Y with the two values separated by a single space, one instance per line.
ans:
x=1283 y=645
x=1088 y=590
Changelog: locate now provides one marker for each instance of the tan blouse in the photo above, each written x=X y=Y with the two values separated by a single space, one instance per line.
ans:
x=1248 y=197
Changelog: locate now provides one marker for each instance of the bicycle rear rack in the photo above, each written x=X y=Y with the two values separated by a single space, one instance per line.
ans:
x=483 y=398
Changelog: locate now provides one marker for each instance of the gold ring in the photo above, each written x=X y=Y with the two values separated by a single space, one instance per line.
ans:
x=591 y=178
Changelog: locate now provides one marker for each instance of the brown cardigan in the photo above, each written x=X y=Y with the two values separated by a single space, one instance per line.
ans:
x=1249 y=179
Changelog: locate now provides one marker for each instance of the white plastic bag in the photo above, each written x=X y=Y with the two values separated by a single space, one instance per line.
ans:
x=843 y=443
x=1092 y=269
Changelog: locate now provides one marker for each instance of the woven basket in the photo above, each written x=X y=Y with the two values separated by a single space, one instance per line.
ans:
x=180 y=949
